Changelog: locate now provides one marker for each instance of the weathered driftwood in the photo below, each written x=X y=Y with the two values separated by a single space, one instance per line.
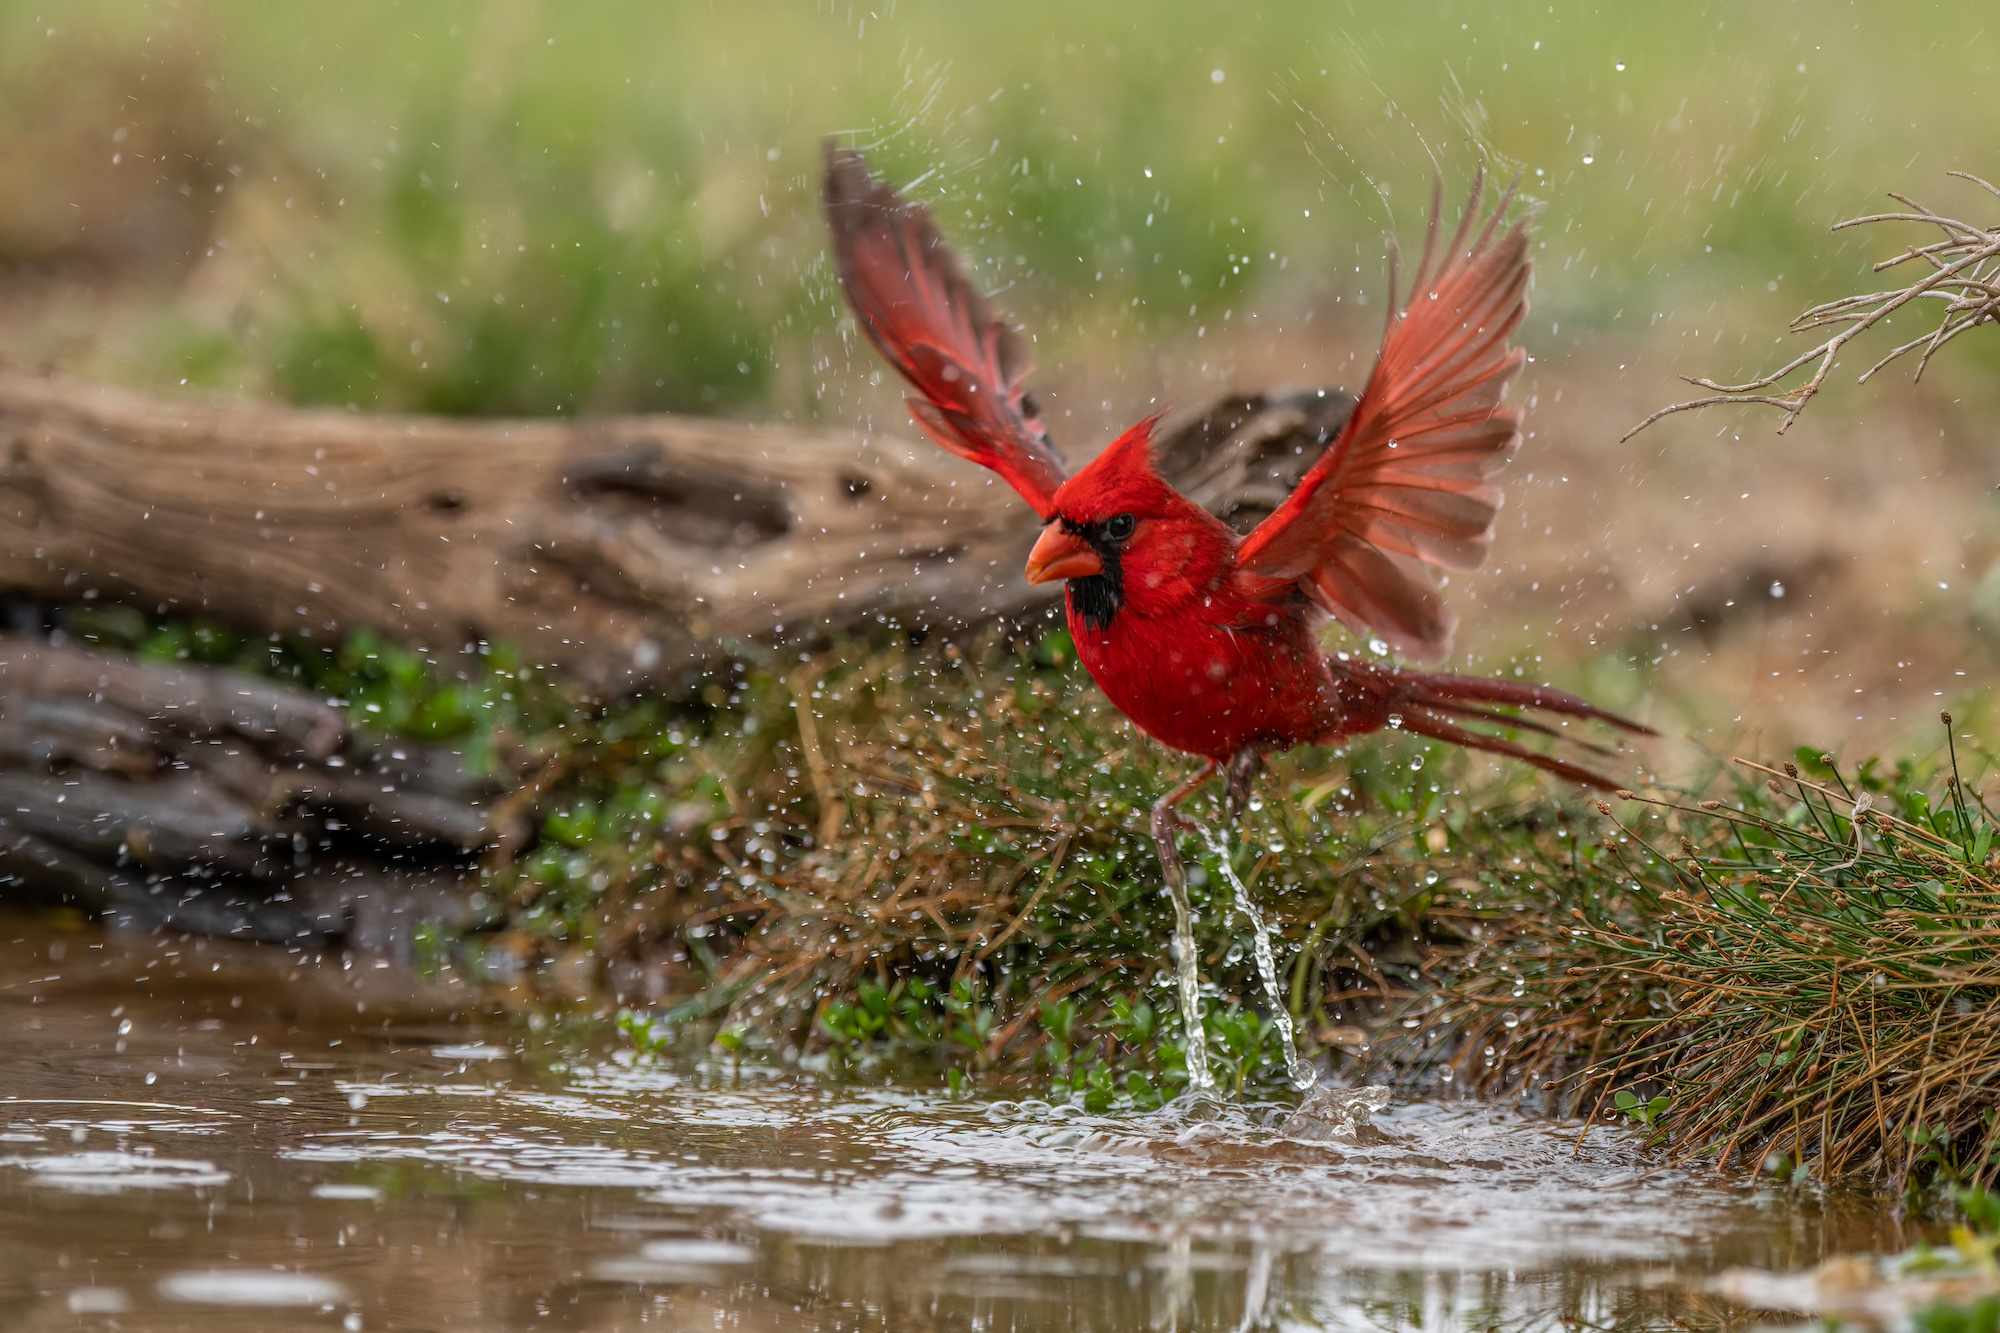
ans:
x=620 y=551
x=213 y=801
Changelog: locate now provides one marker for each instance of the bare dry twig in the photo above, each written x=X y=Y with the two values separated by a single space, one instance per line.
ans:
x=1962 y=270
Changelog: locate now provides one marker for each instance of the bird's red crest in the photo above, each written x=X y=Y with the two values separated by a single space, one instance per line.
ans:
x=1121 y=479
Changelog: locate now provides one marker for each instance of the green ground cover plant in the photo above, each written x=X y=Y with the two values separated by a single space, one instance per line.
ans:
x=930 y=861
x=911 y=859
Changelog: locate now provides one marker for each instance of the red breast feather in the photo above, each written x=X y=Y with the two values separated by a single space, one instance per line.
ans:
x=1163 y=631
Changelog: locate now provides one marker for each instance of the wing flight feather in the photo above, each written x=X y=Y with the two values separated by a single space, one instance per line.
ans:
x=911 y=298
x=1405 y=484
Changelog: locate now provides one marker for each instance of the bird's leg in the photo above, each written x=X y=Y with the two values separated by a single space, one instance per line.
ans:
x=1167 y=823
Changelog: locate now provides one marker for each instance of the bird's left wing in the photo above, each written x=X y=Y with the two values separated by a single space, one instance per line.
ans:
x=911 y=297
x=1405 y=482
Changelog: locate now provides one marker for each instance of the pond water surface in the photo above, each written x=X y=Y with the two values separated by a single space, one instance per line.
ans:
x=201 y=1136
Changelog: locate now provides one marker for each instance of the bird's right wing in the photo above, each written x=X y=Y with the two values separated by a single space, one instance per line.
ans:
x=911 y=297
x=1404 y=484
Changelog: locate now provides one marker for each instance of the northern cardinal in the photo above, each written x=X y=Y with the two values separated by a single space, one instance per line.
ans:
x=1207 y=641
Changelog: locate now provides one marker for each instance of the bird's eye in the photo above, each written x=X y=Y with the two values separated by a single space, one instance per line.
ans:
x=1119 y=526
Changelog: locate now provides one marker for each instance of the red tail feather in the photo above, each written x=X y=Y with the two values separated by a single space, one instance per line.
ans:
x=1442 y=691
x=1429 y=705
x=1433 y=723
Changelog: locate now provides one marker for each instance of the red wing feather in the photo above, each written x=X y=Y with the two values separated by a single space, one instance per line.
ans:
x=1405 y=483
x=911 y=297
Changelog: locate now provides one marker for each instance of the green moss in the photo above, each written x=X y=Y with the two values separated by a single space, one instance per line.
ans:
x=474 y=700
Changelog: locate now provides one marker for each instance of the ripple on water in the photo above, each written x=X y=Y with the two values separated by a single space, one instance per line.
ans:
x=1461 y=1186
x=682 y=1260
x=244 y=1286
x=110 y=1171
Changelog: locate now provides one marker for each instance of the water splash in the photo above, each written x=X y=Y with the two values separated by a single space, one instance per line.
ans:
x=1300 y=1073
x=1200 y=1079
x=1337 y=1114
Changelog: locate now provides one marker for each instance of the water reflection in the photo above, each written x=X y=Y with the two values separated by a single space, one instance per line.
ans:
x=205 y=1136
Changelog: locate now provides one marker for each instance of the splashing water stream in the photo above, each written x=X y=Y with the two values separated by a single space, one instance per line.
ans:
x=1187 y=975
x=1298 y=1071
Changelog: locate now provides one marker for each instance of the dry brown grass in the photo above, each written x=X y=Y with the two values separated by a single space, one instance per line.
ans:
x=976 y=822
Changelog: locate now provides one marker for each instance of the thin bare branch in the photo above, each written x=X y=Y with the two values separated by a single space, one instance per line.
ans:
x=1964 y=274
x=1981 y=182
x=1792 y=406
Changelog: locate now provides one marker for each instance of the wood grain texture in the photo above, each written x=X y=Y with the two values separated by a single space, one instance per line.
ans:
x=622 y=552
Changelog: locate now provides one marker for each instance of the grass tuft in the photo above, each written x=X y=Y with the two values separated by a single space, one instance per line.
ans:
x=1802 y=977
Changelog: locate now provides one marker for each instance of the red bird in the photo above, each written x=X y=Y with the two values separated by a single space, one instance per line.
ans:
x=1209 y=641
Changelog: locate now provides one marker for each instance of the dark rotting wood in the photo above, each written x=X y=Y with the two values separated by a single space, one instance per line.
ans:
x=203 y=799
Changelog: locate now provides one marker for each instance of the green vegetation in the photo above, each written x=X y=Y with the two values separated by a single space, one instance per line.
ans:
x=935 y=860
x=932 y=862
x=1802 y=975
x=480 y=703
x=475 y=209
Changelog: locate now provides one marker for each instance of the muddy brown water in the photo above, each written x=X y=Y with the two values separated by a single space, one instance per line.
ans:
x=200 y=1136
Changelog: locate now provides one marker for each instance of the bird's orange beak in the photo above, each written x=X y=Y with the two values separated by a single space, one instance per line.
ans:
x=1061 y=554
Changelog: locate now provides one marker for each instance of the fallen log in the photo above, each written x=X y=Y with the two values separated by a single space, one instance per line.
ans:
x=208 y=800
x=34 y=869
x=621 y=552
x=195 y=700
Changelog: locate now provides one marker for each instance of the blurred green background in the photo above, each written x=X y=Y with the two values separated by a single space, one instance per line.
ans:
x=517 y=207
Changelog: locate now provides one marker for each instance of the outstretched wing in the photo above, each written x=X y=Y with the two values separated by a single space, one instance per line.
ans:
x=912 y=299
x=1405 y=482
